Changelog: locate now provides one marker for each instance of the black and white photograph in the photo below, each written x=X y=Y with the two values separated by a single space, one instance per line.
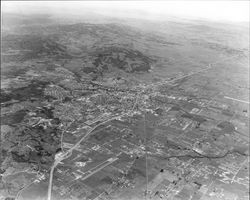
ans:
x=125 y=100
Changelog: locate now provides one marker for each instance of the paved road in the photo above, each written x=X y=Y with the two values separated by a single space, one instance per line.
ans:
x=69 y=151
x=226 y=97
x=57 y=161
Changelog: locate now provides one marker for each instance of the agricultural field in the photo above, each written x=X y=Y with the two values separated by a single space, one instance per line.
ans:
x=102 y=108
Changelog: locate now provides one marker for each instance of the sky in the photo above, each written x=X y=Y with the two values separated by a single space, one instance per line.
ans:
x=234 y=11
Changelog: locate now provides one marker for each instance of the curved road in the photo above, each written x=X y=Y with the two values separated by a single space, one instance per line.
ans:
x=68 y=153
x=65 y=155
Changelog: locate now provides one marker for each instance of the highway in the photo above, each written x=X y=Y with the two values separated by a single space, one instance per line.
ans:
x=242 y=101
x=57 y=161
x=209 y=66
x=69 y=151
x=51 y=180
